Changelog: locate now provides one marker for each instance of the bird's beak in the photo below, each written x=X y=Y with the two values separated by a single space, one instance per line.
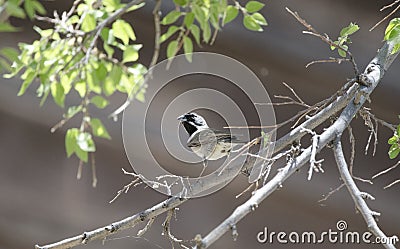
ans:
x=182 y=118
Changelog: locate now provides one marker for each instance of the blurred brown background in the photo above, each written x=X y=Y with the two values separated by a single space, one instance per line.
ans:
x=41 y=201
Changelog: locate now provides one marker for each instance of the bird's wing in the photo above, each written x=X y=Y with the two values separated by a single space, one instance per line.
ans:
x=209 y=135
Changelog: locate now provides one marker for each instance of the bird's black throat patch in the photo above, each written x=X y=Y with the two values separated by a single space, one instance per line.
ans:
x=189 y=127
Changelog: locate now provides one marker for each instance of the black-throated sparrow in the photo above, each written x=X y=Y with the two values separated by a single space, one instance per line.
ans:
x=207 y=143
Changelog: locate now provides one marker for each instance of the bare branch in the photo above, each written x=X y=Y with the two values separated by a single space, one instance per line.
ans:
x=393 y=183
x=332 y=192
x=324 y=38
x=358 y=197
x=352 y=100
x=115 y=227
x=135 y=182
x=330 y=60
x=386 y=170
x=389 y=5
x=94 y=175
x=372 y=75
x=141 y=232
x=352 y=156
x=387 y=16
x=367 y=112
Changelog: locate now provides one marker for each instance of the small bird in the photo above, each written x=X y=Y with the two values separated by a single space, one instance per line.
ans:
x=207 y=143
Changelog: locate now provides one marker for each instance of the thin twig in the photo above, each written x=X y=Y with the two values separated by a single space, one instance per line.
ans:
x=352 y=141
x=357 y=195
x=332 y=192
x=94 y=175
x=325 y=38
x=389 y=5
x=386 y=170
x=135 y=182
x=330 y=60
x=386 y=17
x=141 y=232
x=393 y=183
x=314 y=164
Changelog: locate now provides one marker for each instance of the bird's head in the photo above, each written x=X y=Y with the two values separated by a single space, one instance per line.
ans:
x=192 y=122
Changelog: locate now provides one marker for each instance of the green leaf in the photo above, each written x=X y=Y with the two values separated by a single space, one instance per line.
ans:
x=396 y=48
x=100 y=73
x=111 y=5
x=180 y=2
x=172 y=49
x=188 y=48
x=72 y=111
x=171 y=17
x=195 y=30
x=75 y=141
x=29 y=8
x=98 y=128
x=393 y=140
x=206 y=32
x=80 y=87
x=4 y=65
x=112 y=79
x=259 y=19
x=6 y=27
x=82 y=155
x=201 y=14
x=70 y=141
x=88 y=23
x=28 y=77
x=137 y=6
x=13 y=9
x=123 y=31
x=349 y=30
x=45 y=94
x=392 y=30
x=10 y=53
x=251 y=24
x=171 y=30
x=131 y=53
x=394 y=151
x=254 y=6
x=342 y=53
x=57 y=91
x=39 y=7
x=231 y=13
x=214 y=16
x=99 y=102
x=189 y=19
x=93 y=85
x=398 y=130
x=85 y=142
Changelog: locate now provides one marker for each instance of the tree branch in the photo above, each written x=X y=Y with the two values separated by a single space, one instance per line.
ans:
x=352 y=100
x=129 y=222
x=357 y=195
x=370 y=79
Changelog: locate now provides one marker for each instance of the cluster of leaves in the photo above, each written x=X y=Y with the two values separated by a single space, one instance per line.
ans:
x=89 y=53
x=66 y=59
x=343 y=40
x=394 y=142
x=13 y=8
x=200 y=17
x=392 y=34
